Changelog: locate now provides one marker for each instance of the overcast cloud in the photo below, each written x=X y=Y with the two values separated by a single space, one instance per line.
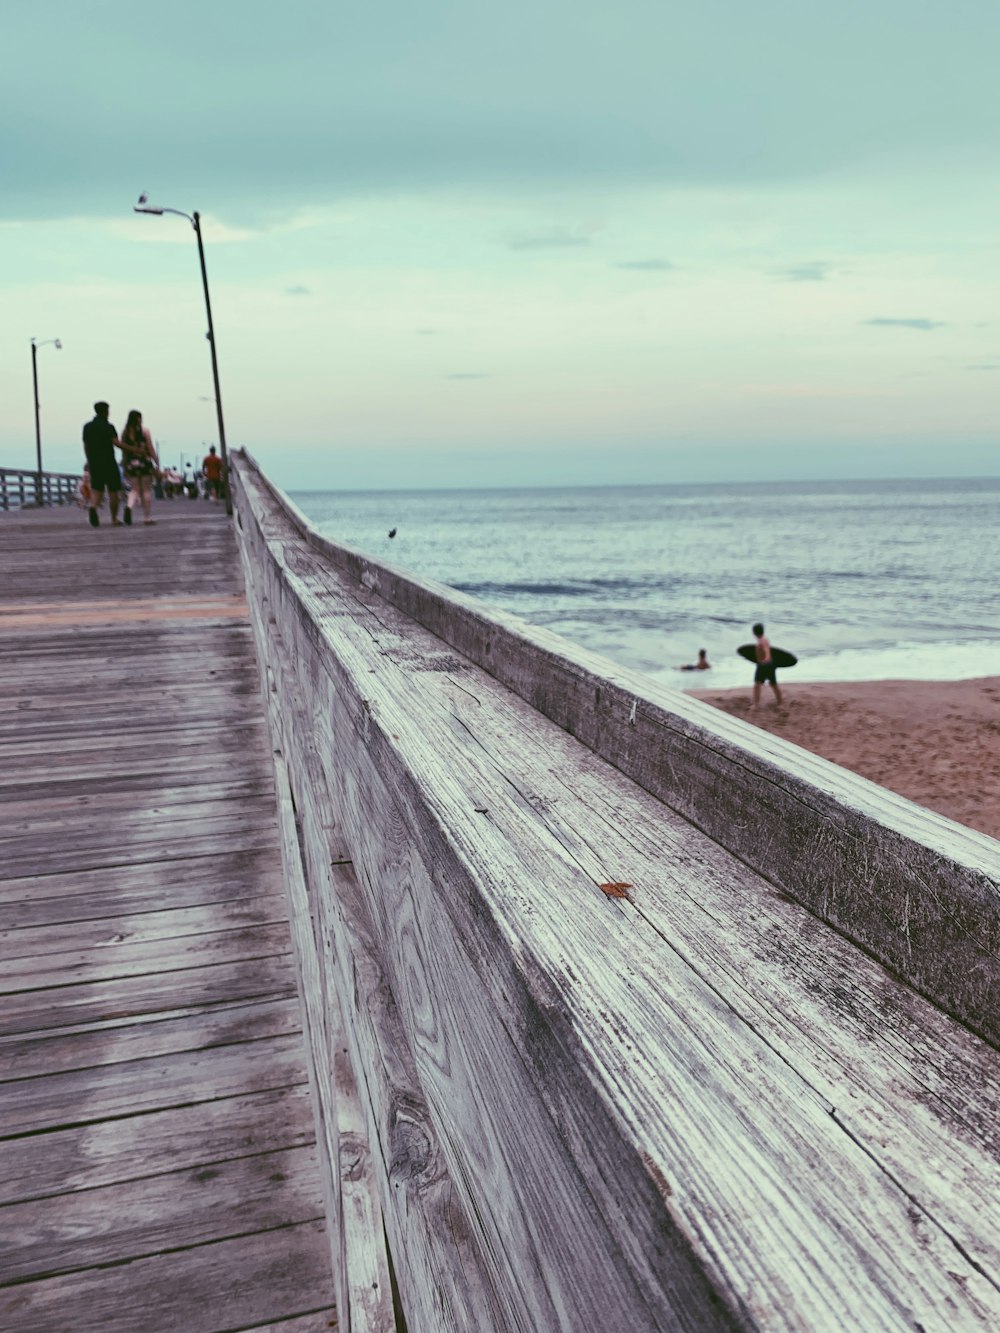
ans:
x=511 y=180
x=268 y=107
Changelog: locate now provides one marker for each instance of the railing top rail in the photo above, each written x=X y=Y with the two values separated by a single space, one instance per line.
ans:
x=30 y=472
x=613 y=1098
x=918 y=890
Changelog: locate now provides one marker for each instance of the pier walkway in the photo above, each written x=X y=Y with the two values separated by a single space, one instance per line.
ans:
x=157 y=1163
x=618 y=1014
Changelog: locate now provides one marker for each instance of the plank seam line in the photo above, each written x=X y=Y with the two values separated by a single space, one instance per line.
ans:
x=271 y=1323
x=125 y=915
x=199 y=1165
x=993 y=1281
x=156 y=972
x=15 y=792
x=119 y=1064
x=141 y=864
x=180 y=1014
x=46 y=1276
x=98 y=950
x=150 y=1110
x=150 y=1015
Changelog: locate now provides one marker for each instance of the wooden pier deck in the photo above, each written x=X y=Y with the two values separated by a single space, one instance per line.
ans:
x=157 y=1163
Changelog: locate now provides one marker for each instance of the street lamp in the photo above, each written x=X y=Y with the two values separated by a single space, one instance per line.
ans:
x=195 y=219
x=54 y=342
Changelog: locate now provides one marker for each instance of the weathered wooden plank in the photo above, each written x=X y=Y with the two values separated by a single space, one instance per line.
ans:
x=89 y=1002
x=164 y=924
x=94 y=828
x=937 y=924
x=43 y=862
x=110 y=891
x=498 y=920
x=115 y=784
x=83 y=1096
x=45 y=810
x=352 y=1207
x=232 y=1285
x=143 y=957
x=125 y=743
x=431 y=1237
x=65 y=1160
x=320 y=1322
x=154 y=1214
x=39 y=762
x=922 y=1101
x=28 y=1057
x=97 y=831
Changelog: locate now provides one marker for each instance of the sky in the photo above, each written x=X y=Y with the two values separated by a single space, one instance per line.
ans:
x=546 y=243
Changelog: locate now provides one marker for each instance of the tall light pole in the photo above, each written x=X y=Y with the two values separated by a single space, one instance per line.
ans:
x=54 y=342
x=194 y=218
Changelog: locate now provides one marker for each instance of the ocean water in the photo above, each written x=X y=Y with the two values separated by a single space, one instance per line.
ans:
x=861 y=580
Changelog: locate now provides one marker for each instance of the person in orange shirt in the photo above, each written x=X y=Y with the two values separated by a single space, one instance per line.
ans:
x=211 y=466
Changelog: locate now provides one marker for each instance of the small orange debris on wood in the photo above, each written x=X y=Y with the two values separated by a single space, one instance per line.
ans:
x=616 y=890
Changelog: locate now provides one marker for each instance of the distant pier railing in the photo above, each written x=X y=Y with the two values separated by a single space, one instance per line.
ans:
x=594 y=1043
x=20 y=489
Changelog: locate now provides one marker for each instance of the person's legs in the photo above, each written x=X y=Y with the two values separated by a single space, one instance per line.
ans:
x=146 y=492
x=114 y=495
x=777 y=691
x=96 y=498
x=756 y=695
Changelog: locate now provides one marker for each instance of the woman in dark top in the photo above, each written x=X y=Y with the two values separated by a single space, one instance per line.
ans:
x=141 y=465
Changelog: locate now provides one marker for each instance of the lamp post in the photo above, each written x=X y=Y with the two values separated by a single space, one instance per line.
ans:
x=54 y=342
x=194 y=218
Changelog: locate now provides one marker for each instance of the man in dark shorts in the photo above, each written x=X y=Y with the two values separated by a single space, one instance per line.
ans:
x=99 y=441
x=764 y=674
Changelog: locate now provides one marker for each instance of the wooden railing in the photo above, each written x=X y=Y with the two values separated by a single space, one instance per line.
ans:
x=587 y=1051
x=20 y=489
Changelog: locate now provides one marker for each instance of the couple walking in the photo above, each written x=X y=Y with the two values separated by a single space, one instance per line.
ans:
x=139 y=463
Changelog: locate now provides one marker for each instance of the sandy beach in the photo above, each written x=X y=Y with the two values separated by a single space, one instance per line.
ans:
x=937 y=742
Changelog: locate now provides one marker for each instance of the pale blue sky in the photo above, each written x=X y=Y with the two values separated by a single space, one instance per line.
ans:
x=467 y=244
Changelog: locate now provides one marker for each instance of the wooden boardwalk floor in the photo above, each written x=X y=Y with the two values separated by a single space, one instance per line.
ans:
x=157 y=1159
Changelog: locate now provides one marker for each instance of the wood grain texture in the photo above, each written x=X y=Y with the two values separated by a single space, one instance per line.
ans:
x=694 y=1108
x=918 y=891
x=158 y=1164
x=153 y=1214
x=229 y=1284
x=176 y=1139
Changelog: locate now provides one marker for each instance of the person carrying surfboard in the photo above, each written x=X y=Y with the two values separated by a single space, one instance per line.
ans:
x=765 y=668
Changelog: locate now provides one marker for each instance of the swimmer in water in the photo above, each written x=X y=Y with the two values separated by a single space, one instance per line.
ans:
x=702 y=664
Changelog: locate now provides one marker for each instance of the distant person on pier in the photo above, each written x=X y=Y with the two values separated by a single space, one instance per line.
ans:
x=765 y=668
x=141 y=465
x=211 y=466
x=99 y=441
x=702 y=664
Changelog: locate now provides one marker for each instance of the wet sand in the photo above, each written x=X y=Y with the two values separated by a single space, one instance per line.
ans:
x=937 y=742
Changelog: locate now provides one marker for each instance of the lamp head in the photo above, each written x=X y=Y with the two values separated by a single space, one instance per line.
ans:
x=58 y=344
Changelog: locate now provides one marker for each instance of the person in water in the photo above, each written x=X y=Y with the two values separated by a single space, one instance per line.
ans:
x=702 y=664
x=765 y=668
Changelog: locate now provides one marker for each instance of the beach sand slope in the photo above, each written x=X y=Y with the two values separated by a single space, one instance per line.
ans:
x=936 y=742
